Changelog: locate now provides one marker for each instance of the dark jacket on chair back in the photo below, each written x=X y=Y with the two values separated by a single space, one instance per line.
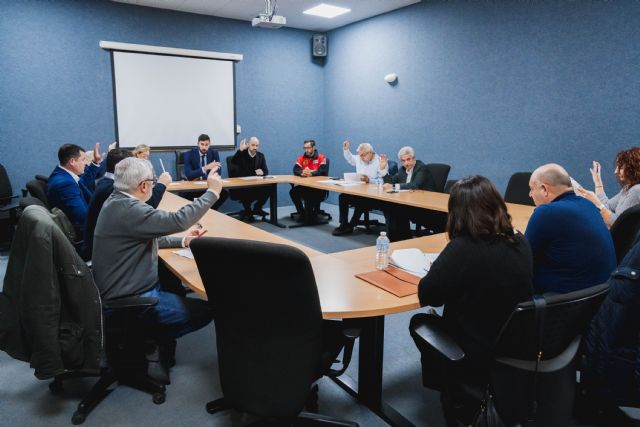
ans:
x=50 y=309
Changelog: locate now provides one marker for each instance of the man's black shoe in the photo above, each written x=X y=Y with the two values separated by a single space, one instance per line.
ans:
x=260 y=212
x=342 y=230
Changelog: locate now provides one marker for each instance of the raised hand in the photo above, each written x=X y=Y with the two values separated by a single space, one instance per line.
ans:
x=346 y=144
x=214 y=182
x=595 y=174
x=97 y=156
x=244 y=145
x=165 y=178
x=384 y=161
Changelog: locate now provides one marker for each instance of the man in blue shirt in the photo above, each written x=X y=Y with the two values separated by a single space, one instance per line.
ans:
x=200 y=160
x=571 y=245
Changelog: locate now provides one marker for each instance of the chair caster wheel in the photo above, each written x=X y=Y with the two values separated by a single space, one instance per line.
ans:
x=212 y=409
x=78 y=418
x=55 y=387
x=159 y=398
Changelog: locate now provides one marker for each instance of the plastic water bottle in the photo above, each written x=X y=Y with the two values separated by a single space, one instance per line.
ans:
x=382 y=251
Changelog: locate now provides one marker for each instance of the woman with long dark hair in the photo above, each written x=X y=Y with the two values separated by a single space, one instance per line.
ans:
x=481 y=275
x=628 y=173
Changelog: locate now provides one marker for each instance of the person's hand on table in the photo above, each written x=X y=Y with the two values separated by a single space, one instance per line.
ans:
x=259 y=172
x=165 y=179
x=364 y=178
x=214 y=182
x=213 y=166
x=387 y=186
x=194 y=235
x=306 y=172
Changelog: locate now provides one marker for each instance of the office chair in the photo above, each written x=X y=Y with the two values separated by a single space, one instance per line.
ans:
x=625 y=230
x=371 y=225
x=233 y=194
x=272 y=341
x=433 y=221
x=314 y=206
x=9 y=202
x=554 y=335
x=38 y=189
x=30 y=200
x=43 y=178
x=518 y=189
x=448 y=185
x=180 y=165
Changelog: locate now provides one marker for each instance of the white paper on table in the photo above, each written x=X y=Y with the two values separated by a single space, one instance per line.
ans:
x=340 y=183
x=413 y=260
x=251 y=178
x=185 y=253
x=351 y=176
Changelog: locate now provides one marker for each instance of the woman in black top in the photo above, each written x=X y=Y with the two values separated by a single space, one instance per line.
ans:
x=480 y=276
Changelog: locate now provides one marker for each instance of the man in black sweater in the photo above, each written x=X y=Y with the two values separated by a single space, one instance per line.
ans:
x=248 y=161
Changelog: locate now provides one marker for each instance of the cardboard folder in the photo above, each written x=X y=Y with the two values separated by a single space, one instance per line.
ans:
x=398 y=282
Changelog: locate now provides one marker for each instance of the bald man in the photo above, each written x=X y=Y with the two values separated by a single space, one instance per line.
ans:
x=571 y=244
x=248 y=161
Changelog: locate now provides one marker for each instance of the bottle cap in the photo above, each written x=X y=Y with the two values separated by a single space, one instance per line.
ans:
x=383 y=233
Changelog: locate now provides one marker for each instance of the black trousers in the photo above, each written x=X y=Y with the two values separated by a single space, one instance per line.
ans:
x=361 y=205
x=246 y=196
x=306 y=199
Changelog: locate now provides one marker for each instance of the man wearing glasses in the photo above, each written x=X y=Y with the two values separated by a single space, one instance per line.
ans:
x=311 y=163
x=369 y=170
x=126 y=241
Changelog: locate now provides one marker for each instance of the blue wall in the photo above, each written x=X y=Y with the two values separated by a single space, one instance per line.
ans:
x=56 y=87
x=490 y=87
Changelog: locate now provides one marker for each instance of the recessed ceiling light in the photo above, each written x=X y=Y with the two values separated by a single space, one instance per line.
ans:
x=326 y=10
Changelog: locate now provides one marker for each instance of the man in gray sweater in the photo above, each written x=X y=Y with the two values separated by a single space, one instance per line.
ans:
x=125 y=247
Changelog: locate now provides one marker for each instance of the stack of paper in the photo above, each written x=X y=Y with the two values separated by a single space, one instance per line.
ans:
x=413 y=260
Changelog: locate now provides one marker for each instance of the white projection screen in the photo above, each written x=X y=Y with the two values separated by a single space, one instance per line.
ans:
x=167 y=101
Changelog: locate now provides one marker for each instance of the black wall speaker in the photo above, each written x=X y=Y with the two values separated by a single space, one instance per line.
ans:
x=319 y=45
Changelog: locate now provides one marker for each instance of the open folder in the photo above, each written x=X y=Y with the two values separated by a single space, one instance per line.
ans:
x=392 y=279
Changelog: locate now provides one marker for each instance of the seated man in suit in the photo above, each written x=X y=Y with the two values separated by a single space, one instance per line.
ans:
x=311 y=163
x=413 y=175
x=370 y=170
x=104 y=188
x=130 y=232
x=248 y=161
x=199 y=161
x=71 y=183
x=571 y=244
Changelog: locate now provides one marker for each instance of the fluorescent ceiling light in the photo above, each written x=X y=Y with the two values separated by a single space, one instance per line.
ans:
x=326 y=11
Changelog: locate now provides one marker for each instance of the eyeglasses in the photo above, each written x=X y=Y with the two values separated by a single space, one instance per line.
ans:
x=153 y=181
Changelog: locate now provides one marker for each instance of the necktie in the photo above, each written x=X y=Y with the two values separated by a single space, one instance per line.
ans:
x=203 y=161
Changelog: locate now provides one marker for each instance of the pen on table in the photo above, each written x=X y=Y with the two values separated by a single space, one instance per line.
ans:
x=203 y=233
x=198 y=225
x=162 y=164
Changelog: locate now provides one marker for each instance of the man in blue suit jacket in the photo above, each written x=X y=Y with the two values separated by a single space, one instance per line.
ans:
x=71 y=183
x=200 y=160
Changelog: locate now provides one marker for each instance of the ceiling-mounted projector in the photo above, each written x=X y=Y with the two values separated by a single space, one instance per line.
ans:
x=269 y=19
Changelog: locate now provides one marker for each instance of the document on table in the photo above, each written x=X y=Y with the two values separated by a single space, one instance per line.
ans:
x=185 y=253
x=413 y=260
x=341 y=183
x=251 y=178
x=191 y=182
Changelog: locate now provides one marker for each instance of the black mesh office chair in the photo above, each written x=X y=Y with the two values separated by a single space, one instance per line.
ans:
x=625 y=230
x=372 y=224
x=180 y=164
x=554 y=335
x=38 y=189
x=434 y=221
x=518 y=189
x=272 y=341
x=9 y=202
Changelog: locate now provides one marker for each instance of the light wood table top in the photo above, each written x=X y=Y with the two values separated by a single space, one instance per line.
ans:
x=228 y=183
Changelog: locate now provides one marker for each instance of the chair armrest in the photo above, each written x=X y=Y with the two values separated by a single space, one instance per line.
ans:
x=439 y=340
x=129 y=302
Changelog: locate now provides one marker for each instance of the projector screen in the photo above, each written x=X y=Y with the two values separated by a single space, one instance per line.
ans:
x=167 y=101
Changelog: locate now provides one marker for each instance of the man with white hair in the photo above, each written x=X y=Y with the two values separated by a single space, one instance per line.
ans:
x=126 y=241
x=571 y=245
x=370 y=170
x=413 y=175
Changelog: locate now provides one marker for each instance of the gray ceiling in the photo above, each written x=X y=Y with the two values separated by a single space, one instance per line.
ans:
x=291 y=9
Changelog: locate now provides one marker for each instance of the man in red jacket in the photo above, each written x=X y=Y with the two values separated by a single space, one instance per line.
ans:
x=311 y=163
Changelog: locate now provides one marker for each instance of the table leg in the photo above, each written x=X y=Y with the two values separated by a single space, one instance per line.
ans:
x=368 y=390
x=273 y=207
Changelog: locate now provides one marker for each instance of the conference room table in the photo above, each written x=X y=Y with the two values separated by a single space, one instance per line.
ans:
x=342 y=295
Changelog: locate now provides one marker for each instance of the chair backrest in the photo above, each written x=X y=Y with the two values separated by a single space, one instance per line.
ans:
x=518 y=189
x=38 y=189
x=392 y=167
x=180 y=164
x=5 y=186
x=231 y=168
x=625 y=230
x=43 y=178
x=566 y=317
x=440 y=173
x=449 y=184
x=268 y=322
x=30 y=200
